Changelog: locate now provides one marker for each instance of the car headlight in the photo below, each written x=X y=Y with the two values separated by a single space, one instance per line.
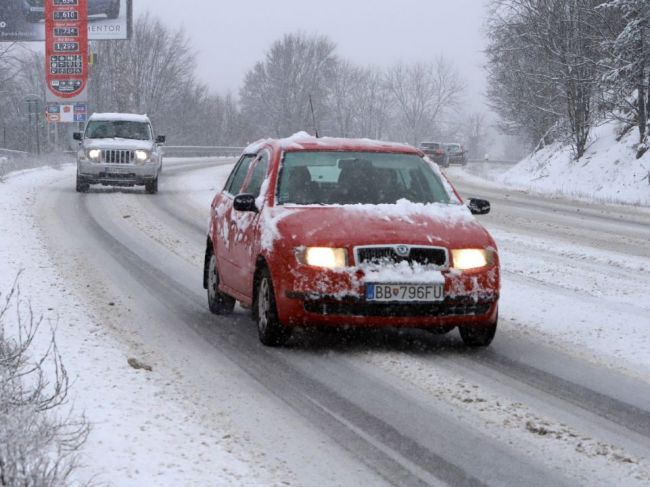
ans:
x=94 y=154
x=465 y=259
x=326 y=257
x=141 y=155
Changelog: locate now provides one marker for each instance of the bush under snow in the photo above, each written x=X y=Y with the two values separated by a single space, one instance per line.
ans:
x=39 y=437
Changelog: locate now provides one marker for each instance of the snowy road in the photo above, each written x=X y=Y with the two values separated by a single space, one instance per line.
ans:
x=560 y=398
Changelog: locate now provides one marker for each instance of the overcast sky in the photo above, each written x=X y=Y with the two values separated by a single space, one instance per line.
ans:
x=231 y=35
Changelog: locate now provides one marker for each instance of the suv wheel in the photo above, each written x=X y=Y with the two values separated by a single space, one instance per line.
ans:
x=151 y=187
x=218 y=302
x=82 y=185
x=270 y=330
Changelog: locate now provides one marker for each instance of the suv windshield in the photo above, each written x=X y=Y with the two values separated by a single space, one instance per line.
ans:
x=348 y=178
x=106 y=129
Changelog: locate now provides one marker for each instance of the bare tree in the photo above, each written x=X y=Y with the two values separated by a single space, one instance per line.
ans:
x=276 y=91
x=422 y=92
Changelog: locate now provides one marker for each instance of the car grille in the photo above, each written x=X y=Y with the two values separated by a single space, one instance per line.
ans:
x=117 y=156
x=448 y=307
x=427 y=256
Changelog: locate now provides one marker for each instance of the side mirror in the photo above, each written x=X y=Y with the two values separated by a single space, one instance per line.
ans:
x=77 y=136
x=161 y=139
x=245 y=202
x=478 y=206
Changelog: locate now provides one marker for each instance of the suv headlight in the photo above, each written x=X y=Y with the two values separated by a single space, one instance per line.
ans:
x=142 y=156
x=326 y=257
x=94 y=155
x=466 y=259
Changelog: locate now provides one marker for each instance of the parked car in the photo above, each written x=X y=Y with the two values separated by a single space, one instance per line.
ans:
x=436 y=151
x=34 y=10
x=119 y=149
x=456 y=154
x=338 y=232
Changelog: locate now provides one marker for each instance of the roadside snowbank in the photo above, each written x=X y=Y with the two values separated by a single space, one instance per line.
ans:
x=608 y=172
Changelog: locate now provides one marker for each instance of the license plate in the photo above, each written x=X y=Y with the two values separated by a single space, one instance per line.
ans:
x=118 y=170
x=405 y=292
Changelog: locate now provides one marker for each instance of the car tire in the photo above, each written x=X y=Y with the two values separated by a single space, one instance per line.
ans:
x=82 y=186
x=151 y=187
x=270 y=330
x=478 y=336
x=114 y=11
x=218 y=302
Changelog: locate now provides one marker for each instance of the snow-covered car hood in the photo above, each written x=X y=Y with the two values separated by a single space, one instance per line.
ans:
x=451 y=226
x=117 y=143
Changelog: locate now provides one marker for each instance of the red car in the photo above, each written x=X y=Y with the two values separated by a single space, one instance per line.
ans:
x=349 y=233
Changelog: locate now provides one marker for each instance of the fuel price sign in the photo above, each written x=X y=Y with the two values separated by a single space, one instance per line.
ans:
x=66 y=49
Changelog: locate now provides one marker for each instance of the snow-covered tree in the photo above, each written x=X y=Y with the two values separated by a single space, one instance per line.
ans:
x=628 y=62
x=543 y=57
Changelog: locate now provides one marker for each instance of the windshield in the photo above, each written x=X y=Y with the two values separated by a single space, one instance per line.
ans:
x=107 y=129
x=348 y=178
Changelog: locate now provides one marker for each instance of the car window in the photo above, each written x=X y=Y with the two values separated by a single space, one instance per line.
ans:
x=257 y=178
x=238 y=174
x=106 y=129
x=347 y=178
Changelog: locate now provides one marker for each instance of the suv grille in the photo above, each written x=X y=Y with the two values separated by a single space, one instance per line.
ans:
x=117 y=156
x=428 y=256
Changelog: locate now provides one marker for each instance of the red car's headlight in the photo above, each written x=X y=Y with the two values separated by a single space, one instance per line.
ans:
x=326 y=257
x=467 y=259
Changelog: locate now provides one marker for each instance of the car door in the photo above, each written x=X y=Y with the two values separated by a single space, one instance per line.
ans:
x=222 y=218
x=242 y=238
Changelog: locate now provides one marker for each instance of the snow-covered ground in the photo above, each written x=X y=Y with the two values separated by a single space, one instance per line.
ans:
x=137 y=436
x=575 y=298
x=609 y=171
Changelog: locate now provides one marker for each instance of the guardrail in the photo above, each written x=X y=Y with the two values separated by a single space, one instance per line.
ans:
x=201 y=151
x=14 y=154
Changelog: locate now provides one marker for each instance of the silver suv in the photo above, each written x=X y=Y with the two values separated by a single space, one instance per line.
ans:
x=119 y=149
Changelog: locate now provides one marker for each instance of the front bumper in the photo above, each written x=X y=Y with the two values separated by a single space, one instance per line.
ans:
x=330 y=298
x=117 y=174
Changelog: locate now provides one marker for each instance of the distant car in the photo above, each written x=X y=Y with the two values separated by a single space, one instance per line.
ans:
x=456 y=154
x=349 y=233
x=436 y=151
x=119 y=149
x=34 y=10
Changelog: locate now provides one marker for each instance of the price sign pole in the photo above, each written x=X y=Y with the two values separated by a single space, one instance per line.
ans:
x=66 y=58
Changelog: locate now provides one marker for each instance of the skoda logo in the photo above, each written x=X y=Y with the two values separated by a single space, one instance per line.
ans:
x=402 y=250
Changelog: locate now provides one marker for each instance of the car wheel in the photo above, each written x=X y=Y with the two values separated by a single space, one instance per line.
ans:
x=218 y=302
x=478 y=336
x=82 y=185
x=270 y=330
x=114 y=12
x=151 y=187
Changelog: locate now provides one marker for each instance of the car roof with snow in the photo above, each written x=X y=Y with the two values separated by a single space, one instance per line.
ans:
x=120 y=117
x=303 y=141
